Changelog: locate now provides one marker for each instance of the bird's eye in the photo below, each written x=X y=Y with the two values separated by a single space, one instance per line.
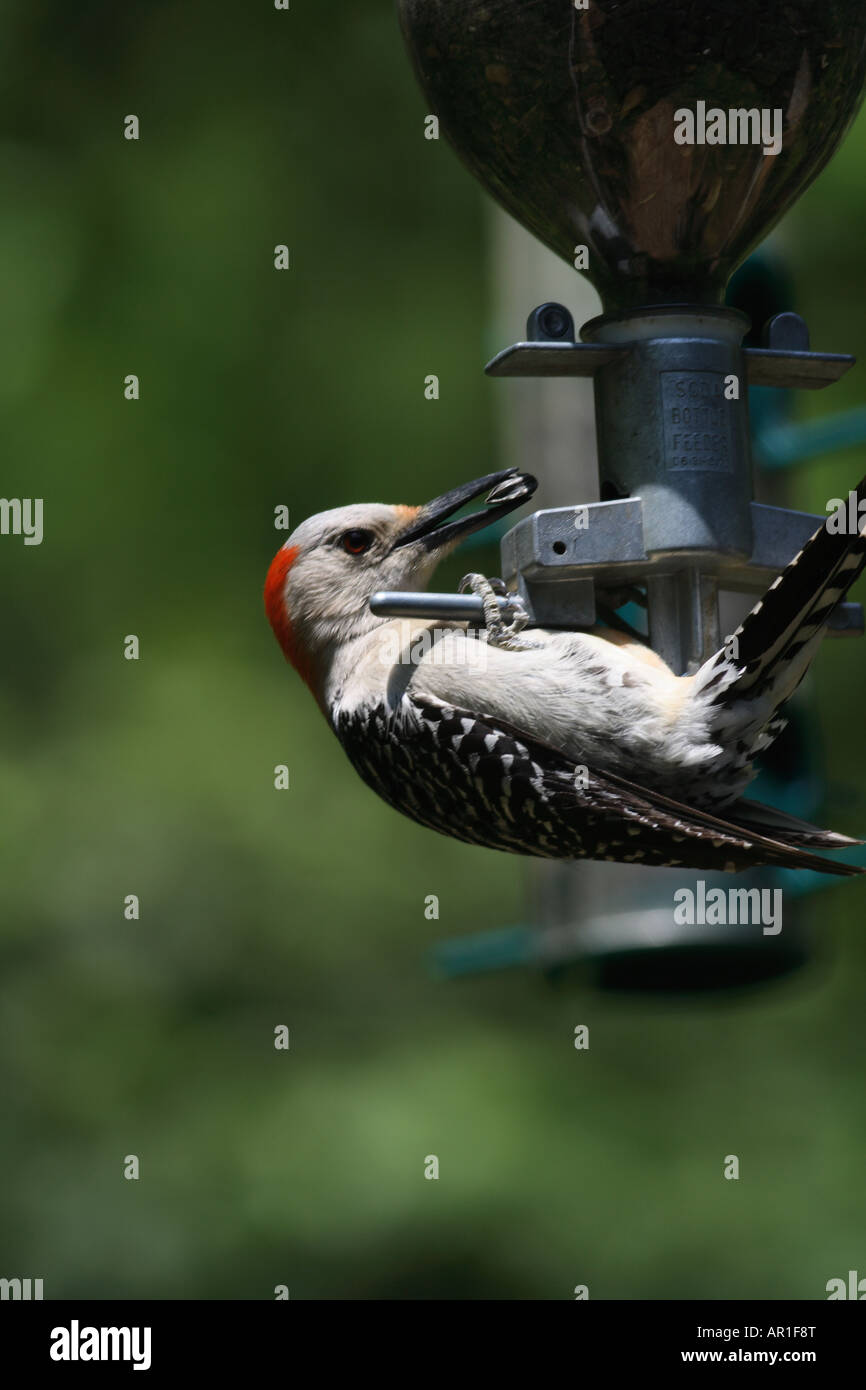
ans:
x=356 y=542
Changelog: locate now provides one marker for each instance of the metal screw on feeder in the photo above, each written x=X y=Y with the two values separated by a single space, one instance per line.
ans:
x=550 y=323
x=572 y=120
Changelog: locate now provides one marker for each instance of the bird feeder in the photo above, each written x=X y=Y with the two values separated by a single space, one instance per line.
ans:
x=652 y=144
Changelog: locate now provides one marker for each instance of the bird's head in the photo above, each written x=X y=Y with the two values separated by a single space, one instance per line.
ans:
x=319 y=585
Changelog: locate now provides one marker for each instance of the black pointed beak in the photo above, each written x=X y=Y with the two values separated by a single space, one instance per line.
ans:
x=506 y=491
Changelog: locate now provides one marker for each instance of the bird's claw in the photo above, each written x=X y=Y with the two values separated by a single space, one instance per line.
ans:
x=498 y=631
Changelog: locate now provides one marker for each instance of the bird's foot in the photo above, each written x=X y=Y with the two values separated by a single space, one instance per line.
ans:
x=499 y=631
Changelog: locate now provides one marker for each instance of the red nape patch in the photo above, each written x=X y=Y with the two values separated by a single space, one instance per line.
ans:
x=278 y=617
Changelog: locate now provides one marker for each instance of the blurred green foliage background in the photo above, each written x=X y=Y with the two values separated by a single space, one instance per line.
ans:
x=306 y=907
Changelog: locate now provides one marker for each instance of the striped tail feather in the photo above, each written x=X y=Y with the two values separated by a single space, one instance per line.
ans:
x=776 y=641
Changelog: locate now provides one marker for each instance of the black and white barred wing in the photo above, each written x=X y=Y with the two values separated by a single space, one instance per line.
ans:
x=485 y=782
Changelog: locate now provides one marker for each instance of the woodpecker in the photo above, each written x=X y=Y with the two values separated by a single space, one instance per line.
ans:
x=561 y=744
